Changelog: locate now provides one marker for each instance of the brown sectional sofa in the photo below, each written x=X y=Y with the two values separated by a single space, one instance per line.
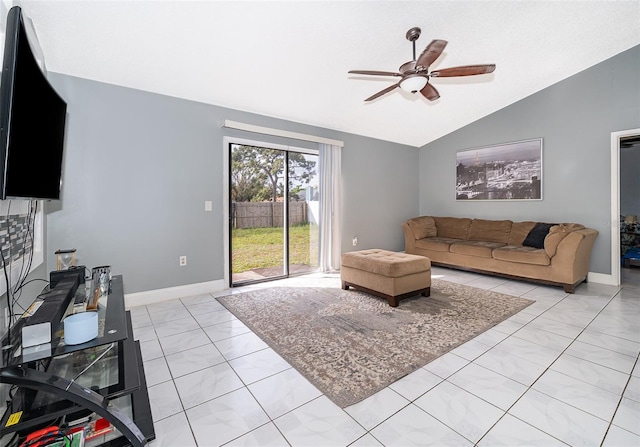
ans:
x=555 y=254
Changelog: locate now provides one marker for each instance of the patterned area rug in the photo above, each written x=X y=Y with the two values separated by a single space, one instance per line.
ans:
x=351 y=345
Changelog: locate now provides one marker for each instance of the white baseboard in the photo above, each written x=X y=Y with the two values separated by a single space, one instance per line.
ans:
x=602 y=278
x=157 y=296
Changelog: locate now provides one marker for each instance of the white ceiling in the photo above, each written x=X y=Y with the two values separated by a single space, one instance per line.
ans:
x=290 y=59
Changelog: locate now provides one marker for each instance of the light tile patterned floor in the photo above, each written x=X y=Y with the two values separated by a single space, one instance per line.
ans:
x=564 y=371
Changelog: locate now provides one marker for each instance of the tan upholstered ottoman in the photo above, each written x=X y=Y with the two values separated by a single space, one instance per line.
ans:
x=387 y=274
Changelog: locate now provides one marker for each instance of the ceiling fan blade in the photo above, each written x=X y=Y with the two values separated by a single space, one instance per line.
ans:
x=382 y=92
x=375 y=73
x=431 y=53
x=430 y=92
x=466 y=70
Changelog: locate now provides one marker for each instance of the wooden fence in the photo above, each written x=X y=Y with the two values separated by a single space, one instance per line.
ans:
x=267 y=214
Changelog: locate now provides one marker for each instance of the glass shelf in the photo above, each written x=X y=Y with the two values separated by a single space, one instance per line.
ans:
x=110 y=366
x=111 y=328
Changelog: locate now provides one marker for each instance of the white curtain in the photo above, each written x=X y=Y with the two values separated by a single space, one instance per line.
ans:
x=330 y=206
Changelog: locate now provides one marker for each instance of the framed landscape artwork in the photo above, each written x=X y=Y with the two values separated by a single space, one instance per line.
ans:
x=509 y=171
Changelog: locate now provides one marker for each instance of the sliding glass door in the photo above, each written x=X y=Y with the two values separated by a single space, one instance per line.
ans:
x=273 y=213
x=304 y=249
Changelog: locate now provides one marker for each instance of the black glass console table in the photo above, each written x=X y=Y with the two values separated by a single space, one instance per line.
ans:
x=57 y=381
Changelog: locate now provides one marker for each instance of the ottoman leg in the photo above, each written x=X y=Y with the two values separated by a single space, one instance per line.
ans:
x=393 y=301
x=426 y=292
x=345 y=286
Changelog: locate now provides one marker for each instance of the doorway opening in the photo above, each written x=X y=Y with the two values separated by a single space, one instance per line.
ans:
x=273 y=212
x=619 y=140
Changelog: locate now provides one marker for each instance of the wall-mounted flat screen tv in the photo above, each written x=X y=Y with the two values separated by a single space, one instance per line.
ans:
x=32 y=121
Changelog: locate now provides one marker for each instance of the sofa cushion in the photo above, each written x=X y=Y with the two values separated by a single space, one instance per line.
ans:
x=453 y=227
x=522 y=254
x=475 y=248
x=436 y=243
x=572 y=226
x=556 y=234
x=423 y=226
x=519 y=231
x=490 y=230
x=536 y=236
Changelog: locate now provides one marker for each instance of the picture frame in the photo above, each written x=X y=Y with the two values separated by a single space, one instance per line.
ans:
x=507 y=171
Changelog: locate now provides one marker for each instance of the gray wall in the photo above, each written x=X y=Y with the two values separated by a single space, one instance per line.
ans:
x=575 y=118
x=138 y=167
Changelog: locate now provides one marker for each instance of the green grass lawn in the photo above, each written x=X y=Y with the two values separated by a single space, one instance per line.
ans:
x=254 y=248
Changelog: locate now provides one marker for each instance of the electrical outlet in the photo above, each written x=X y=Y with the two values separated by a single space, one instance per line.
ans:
x=183 y=261
x=355 y=240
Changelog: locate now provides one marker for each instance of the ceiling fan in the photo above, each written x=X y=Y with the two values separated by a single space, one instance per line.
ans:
x=414 y=75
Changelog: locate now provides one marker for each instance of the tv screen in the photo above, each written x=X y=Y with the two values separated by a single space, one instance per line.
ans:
x=32 y=121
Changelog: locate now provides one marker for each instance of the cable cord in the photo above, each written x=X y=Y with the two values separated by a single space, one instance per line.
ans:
x=30 y=233
x=49 y=437
x=14 y=293
x=6 y=275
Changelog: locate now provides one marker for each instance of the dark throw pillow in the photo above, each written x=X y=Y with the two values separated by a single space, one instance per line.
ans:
x=536 y=236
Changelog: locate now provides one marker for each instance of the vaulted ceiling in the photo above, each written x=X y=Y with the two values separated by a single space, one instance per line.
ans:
x=289 y=59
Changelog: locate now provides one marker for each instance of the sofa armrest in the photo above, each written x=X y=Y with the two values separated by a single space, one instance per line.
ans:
x=571 y=261
x=409 y=239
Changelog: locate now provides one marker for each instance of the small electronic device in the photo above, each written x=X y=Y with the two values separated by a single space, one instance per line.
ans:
x=43 y=323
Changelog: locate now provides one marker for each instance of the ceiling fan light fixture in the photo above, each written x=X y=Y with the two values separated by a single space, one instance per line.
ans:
x=413 y=83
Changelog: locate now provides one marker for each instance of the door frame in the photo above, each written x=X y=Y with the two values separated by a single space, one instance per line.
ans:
x=615 y=201
x=226 y=163
x=226 y=166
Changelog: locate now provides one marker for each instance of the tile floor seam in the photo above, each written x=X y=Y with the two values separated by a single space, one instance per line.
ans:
x=618 y=407
x=452 y=428
x=409 y=403
x=565 y=349
x=596 y=386
x=513 y=416
x=608 y=420
x=529 y=387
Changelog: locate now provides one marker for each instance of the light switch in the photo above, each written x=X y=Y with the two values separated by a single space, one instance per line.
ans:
x=208 y=205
